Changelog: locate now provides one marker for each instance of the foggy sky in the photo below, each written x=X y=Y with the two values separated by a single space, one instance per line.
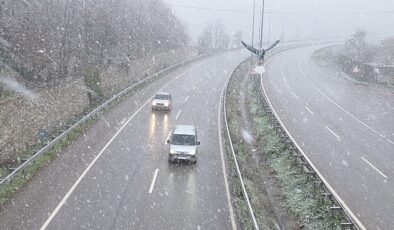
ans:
x=292 y=19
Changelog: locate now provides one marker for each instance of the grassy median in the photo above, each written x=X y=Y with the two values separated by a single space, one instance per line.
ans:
x=297 y=204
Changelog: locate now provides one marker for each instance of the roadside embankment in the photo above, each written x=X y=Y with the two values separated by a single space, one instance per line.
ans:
x=30 y=117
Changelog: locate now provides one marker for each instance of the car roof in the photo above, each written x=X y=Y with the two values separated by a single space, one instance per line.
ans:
x=185 y=129
x=162 y=93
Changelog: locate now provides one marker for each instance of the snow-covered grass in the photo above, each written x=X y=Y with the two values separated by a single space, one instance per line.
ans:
x=300 y=197
x=252 y=181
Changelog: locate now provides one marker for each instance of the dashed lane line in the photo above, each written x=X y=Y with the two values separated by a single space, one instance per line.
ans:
x=376 y=169
x=152 y=185
x=333 y=133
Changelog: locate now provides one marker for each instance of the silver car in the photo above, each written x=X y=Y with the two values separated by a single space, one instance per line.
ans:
x=162 y=101
x=183 y=144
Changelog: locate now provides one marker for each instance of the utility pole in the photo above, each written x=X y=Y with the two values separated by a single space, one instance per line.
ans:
x=269 y=29
x=283 y=28
x=254 y=8
x=262 y=26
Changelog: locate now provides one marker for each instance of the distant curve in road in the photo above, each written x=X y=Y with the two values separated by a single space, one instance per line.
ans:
x=345 y=128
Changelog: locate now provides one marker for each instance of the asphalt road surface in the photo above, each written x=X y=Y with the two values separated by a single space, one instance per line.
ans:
x=345 y=128
x=117 y=175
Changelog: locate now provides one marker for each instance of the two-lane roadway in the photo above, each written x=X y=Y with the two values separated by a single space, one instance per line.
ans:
x=345 y=128
x=128 y=183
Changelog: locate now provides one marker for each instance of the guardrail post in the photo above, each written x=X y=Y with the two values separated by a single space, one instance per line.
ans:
x=11 y=169
x=335 y=210
x=326 y=196
x=310 y=173
x=347 y=225
x=317 y=184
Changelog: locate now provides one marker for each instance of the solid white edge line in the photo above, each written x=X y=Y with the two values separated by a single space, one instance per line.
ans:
x=152 y=185
x=333 y=192
x=333 y=133
x=179 y=113
x=256 y=227
x=68 y=194
x=187 y=98
x=230 y=206
x=376 y=169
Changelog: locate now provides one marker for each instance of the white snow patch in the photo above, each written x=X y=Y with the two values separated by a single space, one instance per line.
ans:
x=345 y=163
x=258 y=70
x=248 y=138
x=15 y=86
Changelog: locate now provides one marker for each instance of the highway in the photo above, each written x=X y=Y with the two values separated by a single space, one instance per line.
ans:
x=345 y=128
x=116 y=176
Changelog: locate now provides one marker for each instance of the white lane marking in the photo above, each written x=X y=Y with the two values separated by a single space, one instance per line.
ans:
x=152 y=185
x=289 y=87
x=68 y=194
x=376 y=169
x=333 y=133
x=339 y=199
x=194 y=87
x=230 y=206
x=295 y=95
x=309 y=110
x=352 y=116
x=168 y=137
x=179 y=113
x=284 y=79
x=341 y=108
x=187 y=98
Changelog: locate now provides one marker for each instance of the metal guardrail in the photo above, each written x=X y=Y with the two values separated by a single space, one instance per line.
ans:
x=309 y=167
x=245 y=194
x=27 y=162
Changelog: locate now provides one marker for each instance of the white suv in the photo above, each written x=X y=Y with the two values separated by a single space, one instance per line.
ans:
x=162 y=101
x=183 y=144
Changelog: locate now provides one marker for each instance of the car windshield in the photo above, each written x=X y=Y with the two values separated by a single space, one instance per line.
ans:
x=162 y=96
x=178 y=139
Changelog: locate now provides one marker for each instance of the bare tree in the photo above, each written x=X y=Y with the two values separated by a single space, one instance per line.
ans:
x=213 y=37
x=236 y=40
x=356 y=48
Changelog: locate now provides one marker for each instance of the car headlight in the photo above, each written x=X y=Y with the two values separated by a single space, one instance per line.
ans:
x=166 y=104
x=172 y=151
x=192 y=152
x=153 y=103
